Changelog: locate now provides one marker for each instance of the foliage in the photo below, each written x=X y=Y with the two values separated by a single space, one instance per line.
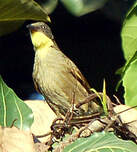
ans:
x=101 y=142
x=13 y=13
x=103 y=98
x=82 y=7
x=13 y=111
x=129 y=43
x=11 y=17
x=130 y=84
x=129 y=34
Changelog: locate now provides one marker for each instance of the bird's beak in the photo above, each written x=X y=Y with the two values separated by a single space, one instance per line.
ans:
x=32 y=28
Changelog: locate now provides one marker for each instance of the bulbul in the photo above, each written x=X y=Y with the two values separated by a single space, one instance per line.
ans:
x=55 y=76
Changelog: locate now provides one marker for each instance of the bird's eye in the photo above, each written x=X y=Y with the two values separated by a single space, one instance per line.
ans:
x=43 y=26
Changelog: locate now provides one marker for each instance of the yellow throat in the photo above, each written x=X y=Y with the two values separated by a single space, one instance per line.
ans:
x=40 y=40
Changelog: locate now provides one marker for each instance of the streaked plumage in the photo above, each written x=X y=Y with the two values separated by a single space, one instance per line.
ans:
x=55 y=76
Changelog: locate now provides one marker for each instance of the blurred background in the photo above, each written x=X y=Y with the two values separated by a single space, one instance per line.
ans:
x=91 y=40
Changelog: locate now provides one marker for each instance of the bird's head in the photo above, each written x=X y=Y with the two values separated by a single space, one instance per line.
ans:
x=41 y=35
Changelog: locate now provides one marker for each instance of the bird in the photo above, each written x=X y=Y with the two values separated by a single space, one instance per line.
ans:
x=56 y=77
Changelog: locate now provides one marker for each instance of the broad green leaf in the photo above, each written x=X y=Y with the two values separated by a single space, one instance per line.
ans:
x=129 y=33
x=82 y=7
x=9 y=26
x=134 y=4
x=14 y=12
x=123 y=69
x=13 y=111
x=101 y=142
x=48 y=5
x=130 y=84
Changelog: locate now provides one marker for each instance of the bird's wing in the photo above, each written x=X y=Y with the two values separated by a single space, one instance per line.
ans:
x=78 y=75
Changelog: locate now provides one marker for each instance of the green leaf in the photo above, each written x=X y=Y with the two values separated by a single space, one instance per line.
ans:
x=123 y=69
x=13 y=111
x=104 y=101
x=82 y=7
x=132 y=7
x=129 y=33
x=8 y=27
x=48 y=5
x=92 y=89
x=130 y=84
x=17 y=11
x=101 y=142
